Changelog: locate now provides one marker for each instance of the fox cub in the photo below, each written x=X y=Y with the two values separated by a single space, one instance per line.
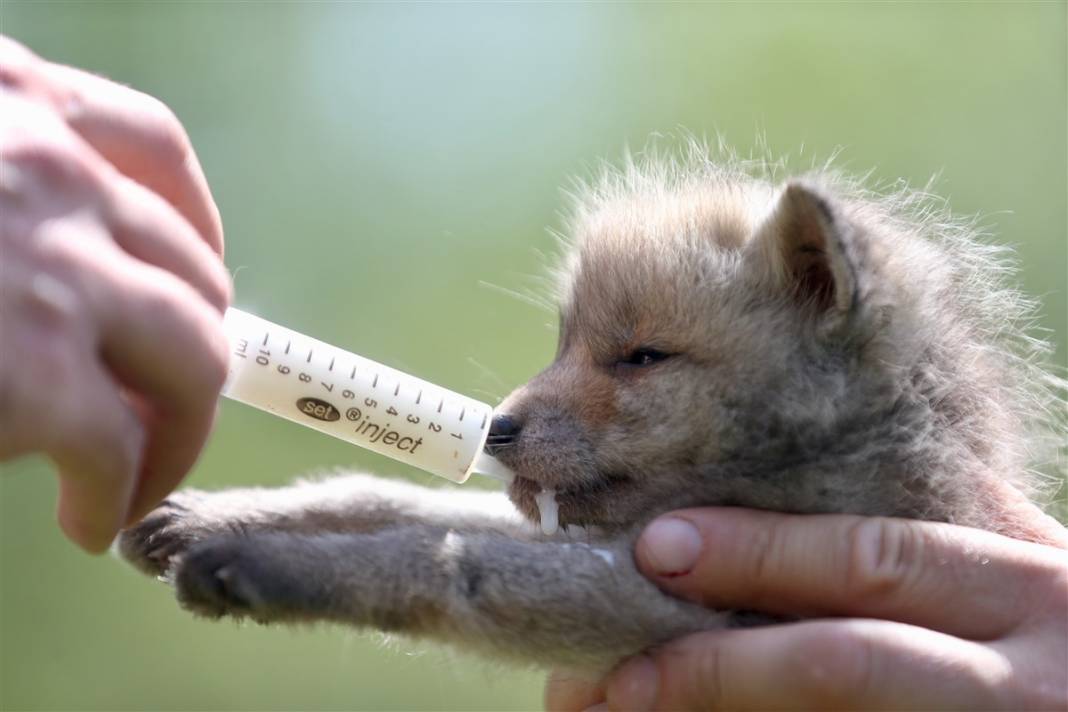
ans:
x=725 y=339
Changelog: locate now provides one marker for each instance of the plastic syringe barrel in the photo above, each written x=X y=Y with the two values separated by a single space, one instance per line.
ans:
x=353 y=398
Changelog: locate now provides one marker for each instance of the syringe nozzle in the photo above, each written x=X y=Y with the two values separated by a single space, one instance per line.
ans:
x=489 y=466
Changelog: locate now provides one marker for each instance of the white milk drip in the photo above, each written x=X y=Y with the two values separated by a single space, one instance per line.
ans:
x=549 y=509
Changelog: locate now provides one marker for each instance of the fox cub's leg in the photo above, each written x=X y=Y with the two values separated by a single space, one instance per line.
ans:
x=553 y=602
x=355 y=503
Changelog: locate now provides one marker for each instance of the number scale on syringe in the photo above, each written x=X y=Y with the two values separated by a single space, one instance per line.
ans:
x=353 y=398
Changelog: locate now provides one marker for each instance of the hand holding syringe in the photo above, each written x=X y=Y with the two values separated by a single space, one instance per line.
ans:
x=357 y=400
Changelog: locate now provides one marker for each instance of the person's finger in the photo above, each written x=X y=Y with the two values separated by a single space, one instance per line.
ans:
x=168 y=347
x=572 y=691
x=165 y=345
x=842 y=565
x=56 y=398
x=849 y=664
x=96 y=443
x=148 y=228
x=135 y=132
x=142 y=137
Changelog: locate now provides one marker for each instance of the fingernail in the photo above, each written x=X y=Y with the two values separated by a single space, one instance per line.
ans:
x=670 y=546
x=634 y=686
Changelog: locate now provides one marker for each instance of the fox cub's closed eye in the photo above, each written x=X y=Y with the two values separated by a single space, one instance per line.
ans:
x=640 y=358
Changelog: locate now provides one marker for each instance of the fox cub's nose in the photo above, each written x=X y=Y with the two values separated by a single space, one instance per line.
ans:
x=504 y=429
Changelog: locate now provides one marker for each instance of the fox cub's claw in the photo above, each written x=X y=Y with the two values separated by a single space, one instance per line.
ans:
x=181 y=520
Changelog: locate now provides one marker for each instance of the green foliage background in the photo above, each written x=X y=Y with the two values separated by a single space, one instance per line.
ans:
x=374 y=163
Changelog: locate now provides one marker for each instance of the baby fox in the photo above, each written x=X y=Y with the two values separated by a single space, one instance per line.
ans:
x=725 y=339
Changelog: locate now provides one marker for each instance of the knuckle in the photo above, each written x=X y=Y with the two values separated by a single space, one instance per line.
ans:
x=832 y=668
x=38 y=301
x=179 y=309
x=170 y=307
x=173 y=144
x=220 y=288
x=71 y=256
x=694 y=670
x=883 y=556
x=706 y=676
x=42 y=156
x=764 y=555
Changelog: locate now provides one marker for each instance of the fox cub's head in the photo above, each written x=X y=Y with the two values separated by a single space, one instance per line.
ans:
x=683 y=314
x=795 y=346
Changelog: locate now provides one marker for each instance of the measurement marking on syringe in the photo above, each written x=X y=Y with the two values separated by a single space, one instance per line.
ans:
x=384 y=421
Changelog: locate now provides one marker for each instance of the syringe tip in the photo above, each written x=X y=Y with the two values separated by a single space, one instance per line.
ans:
x=489 y=466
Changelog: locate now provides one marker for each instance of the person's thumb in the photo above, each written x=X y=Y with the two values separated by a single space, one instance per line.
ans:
x=843 y=565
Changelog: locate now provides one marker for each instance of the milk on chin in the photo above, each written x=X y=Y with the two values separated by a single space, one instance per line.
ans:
x=549 y=509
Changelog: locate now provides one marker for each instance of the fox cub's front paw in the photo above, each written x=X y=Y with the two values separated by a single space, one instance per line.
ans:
x=263 y=577
x=181 y=520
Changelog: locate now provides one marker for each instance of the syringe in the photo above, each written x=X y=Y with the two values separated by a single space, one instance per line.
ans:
x=357 y=400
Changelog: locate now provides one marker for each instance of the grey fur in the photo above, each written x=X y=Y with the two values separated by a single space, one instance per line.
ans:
x=829 y=349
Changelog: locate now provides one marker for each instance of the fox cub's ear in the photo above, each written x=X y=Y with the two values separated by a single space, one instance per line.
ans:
x=807 y=248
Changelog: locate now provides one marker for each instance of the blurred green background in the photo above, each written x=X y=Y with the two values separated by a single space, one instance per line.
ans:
x=375 y=163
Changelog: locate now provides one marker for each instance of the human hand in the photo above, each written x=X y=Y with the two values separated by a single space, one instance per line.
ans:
x=899 y=615
x=112 y=290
